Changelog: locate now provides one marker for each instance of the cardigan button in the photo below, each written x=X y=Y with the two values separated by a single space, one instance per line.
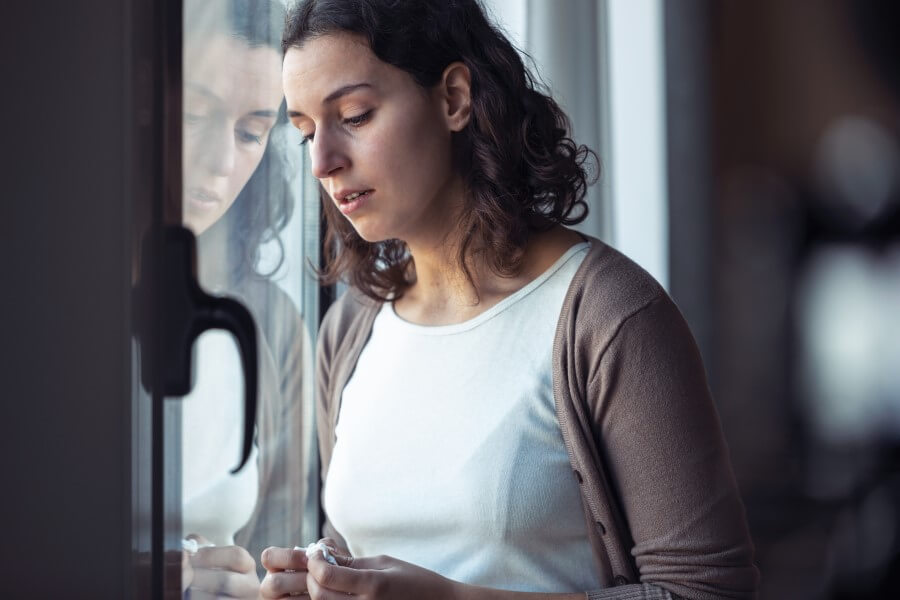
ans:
x=620 y=580
x=601 y=527
x=578 y=476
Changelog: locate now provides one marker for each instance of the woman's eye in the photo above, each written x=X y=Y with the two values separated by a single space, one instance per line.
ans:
x=358 y=120
x=247 y=137
x=352 y=121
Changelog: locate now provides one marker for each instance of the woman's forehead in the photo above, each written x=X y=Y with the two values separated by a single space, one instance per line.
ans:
x=233 y=72
x=330 y=62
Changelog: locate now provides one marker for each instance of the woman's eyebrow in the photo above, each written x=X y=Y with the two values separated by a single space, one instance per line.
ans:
x=341 y=91
x=202 y=90
x=266 y=114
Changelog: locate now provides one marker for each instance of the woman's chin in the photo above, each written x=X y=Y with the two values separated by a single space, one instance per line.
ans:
x=197 y=226
x=371 y=232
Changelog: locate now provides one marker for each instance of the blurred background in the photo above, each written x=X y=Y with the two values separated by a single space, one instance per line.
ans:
x=751 y=162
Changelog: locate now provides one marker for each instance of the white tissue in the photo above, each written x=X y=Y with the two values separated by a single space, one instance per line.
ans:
x=311 y=549
x=190 y=545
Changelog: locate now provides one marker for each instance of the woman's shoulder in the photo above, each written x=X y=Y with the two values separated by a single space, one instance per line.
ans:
x=608 y=292
x=352 y=308
x=611 y=284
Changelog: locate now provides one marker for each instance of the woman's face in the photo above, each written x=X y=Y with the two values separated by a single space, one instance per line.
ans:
x=231 y=97
x=371 y=128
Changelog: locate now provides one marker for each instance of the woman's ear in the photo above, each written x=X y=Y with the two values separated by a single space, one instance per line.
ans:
x=456 y=89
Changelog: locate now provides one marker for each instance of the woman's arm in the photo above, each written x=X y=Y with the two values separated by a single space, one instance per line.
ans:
x=375 y=578
x=386 y=578
x=662 y=447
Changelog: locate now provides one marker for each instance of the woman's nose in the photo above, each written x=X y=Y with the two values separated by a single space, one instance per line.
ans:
x=326 y=156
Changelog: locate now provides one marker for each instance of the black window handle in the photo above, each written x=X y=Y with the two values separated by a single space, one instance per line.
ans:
x=174 y=311
x=225 y=313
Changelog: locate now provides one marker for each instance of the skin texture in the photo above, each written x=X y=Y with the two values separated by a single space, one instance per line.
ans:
x=228 y=114
x=370 y=126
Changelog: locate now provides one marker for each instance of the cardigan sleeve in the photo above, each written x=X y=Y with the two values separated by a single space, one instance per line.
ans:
x=331 y=351
x=659 y=436
x=326 y=347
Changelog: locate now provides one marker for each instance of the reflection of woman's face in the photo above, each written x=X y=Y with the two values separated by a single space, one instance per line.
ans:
x=370 y=128
x=231 y=97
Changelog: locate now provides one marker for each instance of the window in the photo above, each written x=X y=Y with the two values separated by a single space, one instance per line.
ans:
x=255 y=216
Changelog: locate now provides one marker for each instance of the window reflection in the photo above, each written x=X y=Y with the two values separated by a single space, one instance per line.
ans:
x=239 y=182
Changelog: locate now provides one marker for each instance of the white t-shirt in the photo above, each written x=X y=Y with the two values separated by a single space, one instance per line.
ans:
x=449 y=454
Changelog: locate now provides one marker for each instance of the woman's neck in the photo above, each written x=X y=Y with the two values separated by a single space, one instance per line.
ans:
x=442 y=294
x=440 y=279
x=434 y=244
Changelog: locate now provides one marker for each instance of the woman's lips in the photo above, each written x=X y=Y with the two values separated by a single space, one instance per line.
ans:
x=202 y=199
x=350 y=206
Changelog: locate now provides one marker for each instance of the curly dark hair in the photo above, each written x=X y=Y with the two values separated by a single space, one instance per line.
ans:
x=523 y=171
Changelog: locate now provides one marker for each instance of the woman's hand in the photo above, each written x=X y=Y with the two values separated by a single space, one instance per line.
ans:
x=287 y=569
x=285 y=572
x=219 y=572
x=290 y=573
x=376 y=578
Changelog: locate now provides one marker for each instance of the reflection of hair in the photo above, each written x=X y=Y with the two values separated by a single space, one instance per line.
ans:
x=264 y=206
x=259 y=22
x=523 y=171
x=261 y=210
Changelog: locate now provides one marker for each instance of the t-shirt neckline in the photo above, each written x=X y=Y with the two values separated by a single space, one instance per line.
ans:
x=396 y=321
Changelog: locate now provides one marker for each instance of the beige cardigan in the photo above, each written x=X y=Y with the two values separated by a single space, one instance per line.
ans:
x=661 y=504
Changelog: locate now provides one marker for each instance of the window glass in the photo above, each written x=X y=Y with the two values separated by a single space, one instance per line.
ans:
x=243 y=198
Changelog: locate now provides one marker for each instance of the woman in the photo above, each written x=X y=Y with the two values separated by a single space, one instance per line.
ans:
x=236 y=198
x=485 y=351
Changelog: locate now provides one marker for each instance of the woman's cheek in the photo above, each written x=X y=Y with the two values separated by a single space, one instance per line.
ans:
x=247 y=162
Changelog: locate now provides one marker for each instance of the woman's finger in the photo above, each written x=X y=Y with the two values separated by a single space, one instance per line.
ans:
x=372 y=563
x=201 y=595
x=345 y=579
x=225 y=583
x=232 y=558
x=319 y=592
x=193 y=542
x=281 y=559
x=334 y=546
x=283 y=583
x=202 y=541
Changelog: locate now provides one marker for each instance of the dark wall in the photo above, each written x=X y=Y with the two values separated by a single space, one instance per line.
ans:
x=64 y=268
